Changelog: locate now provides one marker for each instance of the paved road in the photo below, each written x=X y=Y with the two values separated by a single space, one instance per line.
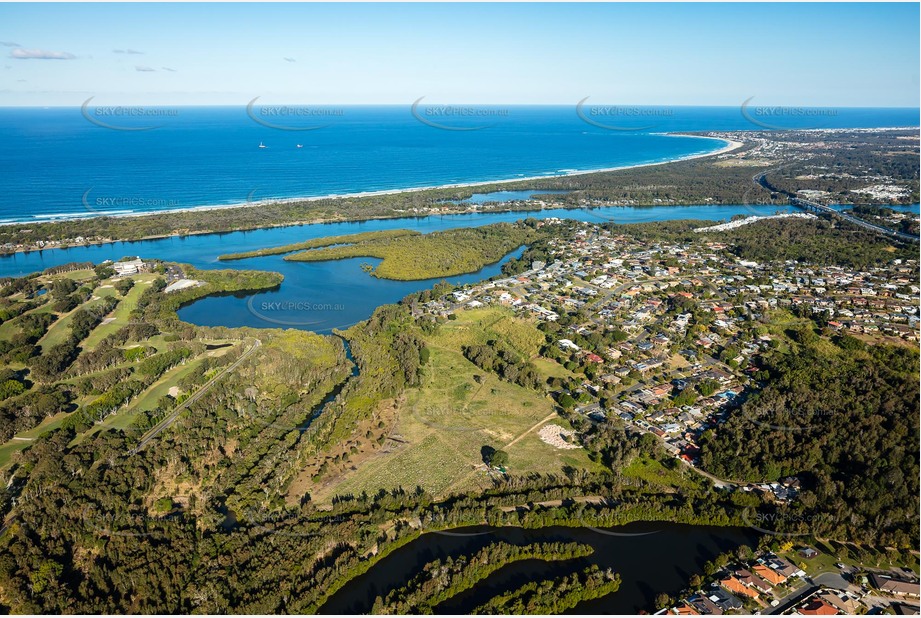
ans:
x=165 y=423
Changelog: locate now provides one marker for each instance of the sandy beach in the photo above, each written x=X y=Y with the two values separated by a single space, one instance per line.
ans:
x=729 y=146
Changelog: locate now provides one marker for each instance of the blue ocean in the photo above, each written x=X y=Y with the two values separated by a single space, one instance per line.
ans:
x=65 y=162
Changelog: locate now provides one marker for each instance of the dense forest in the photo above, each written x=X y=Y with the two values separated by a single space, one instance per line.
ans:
x=843 y=419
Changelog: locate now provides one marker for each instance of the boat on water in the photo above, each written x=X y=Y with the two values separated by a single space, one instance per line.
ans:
x=261 y=145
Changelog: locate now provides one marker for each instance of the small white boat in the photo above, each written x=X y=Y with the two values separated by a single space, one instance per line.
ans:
x=261 y=145
x=300 y=145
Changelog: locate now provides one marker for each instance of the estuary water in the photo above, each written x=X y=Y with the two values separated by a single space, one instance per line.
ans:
x=650 y=558
x=321 y=296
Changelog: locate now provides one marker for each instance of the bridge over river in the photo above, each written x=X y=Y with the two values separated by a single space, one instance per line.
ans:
x=809 y=206
x=823 y=209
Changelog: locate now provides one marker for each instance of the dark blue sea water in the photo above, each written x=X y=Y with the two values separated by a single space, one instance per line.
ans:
x=61 y=161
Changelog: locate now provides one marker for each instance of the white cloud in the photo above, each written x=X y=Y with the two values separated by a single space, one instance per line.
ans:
x=144 y=69
x=40 y=54
x=290 y=60
x=133 y=52
x=9 y=44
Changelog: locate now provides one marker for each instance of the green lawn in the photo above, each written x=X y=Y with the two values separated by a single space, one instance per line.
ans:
x=125 y=306
x=77 y=275
x=60 y=330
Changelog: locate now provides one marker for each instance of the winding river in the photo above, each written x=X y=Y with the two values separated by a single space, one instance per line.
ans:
x=322 y=296
x=650 y=558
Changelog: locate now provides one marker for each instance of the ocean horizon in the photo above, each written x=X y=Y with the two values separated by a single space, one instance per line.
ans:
x=94 y=160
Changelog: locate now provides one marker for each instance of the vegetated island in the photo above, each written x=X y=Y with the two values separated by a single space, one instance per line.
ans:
x=554 y=596
x=327 y=241
x=439 y=254
x=439 y=581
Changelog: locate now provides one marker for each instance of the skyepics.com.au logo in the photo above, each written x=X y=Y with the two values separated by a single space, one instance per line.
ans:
x=463 y=419
x=435 y=523
x=783 y=419
x=295 y=118
x=785 y=118
x=127 y=117
x=125 y=524
x=124 y=204
x=786 y=523
x=622 y=117
x=457 y=117
x=287 y=523
x=293 y=313
x=622 y=531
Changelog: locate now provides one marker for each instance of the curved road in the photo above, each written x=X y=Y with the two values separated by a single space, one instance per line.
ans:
x=169 y=420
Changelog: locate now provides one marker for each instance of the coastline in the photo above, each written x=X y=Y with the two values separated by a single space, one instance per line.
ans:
x=729 y=146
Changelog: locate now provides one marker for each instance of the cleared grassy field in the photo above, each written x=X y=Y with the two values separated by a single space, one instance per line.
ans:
x=125 y=306
x=654 y=472
x=443 y=425
x=477 y=326
x=549 y=368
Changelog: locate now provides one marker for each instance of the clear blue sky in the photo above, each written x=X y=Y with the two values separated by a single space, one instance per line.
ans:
x=675 y=54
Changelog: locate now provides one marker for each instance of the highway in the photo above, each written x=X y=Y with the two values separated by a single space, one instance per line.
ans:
x=821 y=208
x=809 y=206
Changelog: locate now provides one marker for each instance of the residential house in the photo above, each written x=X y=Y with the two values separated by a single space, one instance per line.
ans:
x=768 y=574
x=816 y=607
x=732 y=584
x=895 y=584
